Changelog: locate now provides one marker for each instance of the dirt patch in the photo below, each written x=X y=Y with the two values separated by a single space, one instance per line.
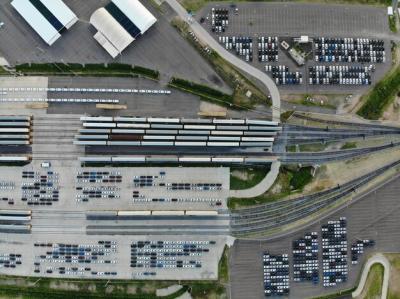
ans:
x=394 y=281
x=131 y=290
x=242 y=175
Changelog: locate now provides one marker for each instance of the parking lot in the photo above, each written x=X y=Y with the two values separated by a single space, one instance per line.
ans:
x=374 y=218
x=160 y=48
x=285 y=21
x=141 y=188
x=113 y=257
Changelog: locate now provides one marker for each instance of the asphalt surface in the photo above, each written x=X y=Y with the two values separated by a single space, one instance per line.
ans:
x=375 y=216
x=160 y=48
x=204 y=36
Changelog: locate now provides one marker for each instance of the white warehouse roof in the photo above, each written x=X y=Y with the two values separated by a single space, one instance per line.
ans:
x=119 y=23
x=47 y=17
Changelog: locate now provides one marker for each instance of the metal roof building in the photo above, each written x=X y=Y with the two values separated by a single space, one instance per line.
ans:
x=49 y=18
x=119 y=23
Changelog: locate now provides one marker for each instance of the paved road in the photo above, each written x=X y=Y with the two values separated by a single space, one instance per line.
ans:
x=261 y=187
x=376 y=259
x=203 y=35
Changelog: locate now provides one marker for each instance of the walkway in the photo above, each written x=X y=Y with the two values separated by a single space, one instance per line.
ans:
x=205 y=37
x=261 y=187
x=380 y=259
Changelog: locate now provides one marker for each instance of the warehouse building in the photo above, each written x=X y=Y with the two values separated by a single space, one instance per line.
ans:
x=49 y=18
x=119 y=23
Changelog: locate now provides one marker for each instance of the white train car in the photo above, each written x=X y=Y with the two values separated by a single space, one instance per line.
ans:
x=187 y=143
x=91 y=137
x=224 y=138
x=95 y=131
x=184 y=132
x=130 y=119
x=196 y=121
x=227 y=133
x=168 y=213
x=199 y=127
x=14 y=158
x=201 y=213
x=188 y=137
x=227 y=159
x=262 y=139
x=158 y=137
x=261 y=122
x=15 y=124
x=127 y=131
x=133 y=213
x=224 y=144
x=99 y=159
x=229 y=121
x=195 y=159
x=133 y=125
x=96 y=118
x=159 y=143
x=99 y=125
x=124 y=143
x=15 y=218
x=14 y=130
x=89 y=142
x=166 y=126
x=16 y=212
x=163 y=120
x=130 y=159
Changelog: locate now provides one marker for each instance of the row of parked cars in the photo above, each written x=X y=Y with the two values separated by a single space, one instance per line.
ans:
x=276 y=274
x=358 y=247
x=305 y=258
x=99 y=177
x=10 y=260
x=340 y=74
x=219 y=19
x=242 y=45
x=283 y=76
x=334 y=252
x=267 y=48
x=42 y=190
x=361 y=50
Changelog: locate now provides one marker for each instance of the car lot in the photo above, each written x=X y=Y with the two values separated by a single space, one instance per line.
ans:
x=374 y=217
x=332 y=23
x=78 y=189
x=109 y=257
x=20 y=44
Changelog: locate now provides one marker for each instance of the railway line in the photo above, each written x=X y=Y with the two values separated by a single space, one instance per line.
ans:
x=266 y=217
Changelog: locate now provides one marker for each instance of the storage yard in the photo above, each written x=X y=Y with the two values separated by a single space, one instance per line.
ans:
x=127 y=177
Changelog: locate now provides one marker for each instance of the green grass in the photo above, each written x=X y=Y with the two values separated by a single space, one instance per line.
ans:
x=254 y=175
x=223 y=266
x=381 y=96
x=349 y=145
x=76 y=69
x=311 y=147
x=3 y=71
x=289 y=181
x=392 y=23
x=286 y=115
x=374 y=282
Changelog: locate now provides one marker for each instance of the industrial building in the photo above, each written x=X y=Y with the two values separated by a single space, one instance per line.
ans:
x=49 y=18
x=119 y=23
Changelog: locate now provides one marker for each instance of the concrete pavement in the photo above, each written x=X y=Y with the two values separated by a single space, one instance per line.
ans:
x=380 y=259
x=204 y=36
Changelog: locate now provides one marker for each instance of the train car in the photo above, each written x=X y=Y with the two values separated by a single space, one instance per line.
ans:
x=16 y=212
x=166 y=159
x=201 y=213
x=158 y=137
x=99 y=125
x=15 y=124
x=226 y=144
x=196 y=121
x=126 y=137
x=261 y=122
x=260 y=133
x=227 y=133
x=166 y=126
x=14 y=137
x=133 y=213
x=15 y=218
x=188 y=137
x=232 y=128
x=188 y=143
x=256 y=144
x=195 y=159
x=259 y=160
x=229 y=121
x=133 y=125
x=14 y=142
x=95 y=131
x=124 y=143
x=199 y=127
x=264 y=128
x=224 y=138
x=91 y=137
x=262 y=139
x=130 y=159
x=130 y=119
x=158 y=143
x=14 y=159
x=163 y=120
x=15 y=118
x=189 y=132
x=96 y=119
x=99 y=159
x=227 y=159
x=14 y=130
x=162 y=132
x=11 y=228
x=127 y=131
x=89 y=142
x=168 y=213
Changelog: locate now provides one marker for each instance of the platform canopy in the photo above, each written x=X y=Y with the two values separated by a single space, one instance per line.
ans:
x=119 y=23
x=49 y=18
